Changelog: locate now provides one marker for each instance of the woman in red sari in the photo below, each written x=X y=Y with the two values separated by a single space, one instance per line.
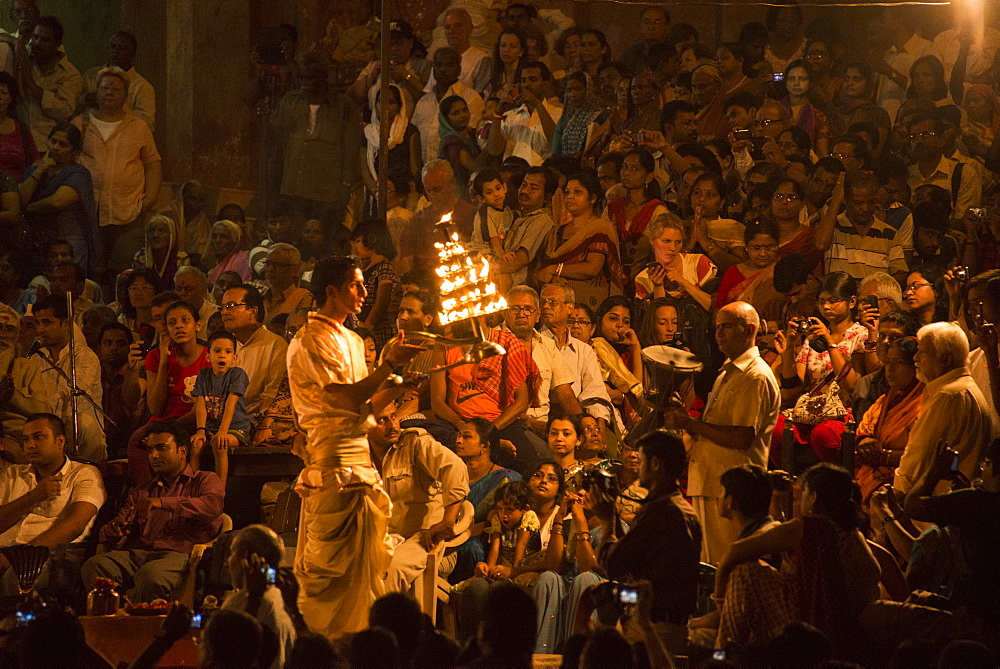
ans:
x=582 y=253
x=885 y=427
x=752 y=280
x=787 y=203
x=632 y=209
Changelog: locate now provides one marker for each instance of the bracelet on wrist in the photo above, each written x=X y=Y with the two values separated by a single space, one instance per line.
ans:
x=201 y=429
x=888 y=519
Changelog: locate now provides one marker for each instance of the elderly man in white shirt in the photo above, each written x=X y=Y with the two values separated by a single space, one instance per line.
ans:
x=954 y=409
x=735 y=427
x=476 y=62
x=50 y=501
x=588 y=384
x=557 y=380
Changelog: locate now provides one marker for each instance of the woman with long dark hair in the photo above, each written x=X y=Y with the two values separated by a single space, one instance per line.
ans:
x=57 y=197
x=798 y=83
x=856 y=104
x=372 y=244
x=476 y=443
x=583 y=252
x=925 y=295
x=928 y=82
x=633 y=211
x=17 y=146
x=506 y=72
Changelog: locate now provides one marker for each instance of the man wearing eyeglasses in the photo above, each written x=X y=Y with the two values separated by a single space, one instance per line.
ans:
x=932 y=167
x=261 y=352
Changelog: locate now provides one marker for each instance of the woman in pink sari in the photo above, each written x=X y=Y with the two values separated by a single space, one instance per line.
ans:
x=226 y=248
x=752 y=280
x=885 y=427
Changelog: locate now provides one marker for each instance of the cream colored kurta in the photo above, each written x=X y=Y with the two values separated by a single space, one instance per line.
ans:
x=342 y=556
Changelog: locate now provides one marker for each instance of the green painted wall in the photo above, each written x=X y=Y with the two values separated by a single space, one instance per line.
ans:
x=88 y=25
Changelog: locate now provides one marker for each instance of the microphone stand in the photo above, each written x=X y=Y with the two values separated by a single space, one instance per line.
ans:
x=75 y=390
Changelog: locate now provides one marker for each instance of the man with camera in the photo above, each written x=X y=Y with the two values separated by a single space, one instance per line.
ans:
x=735 y=427
x=664 y=541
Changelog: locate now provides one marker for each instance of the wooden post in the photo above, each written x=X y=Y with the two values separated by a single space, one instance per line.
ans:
x=385 y=49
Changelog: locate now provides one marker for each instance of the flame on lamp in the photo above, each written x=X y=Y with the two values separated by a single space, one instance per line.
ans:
x=466 y=291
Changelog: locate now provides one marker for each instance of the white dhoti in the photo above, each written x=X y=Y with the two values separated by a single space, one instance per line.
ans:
x=342 y=557
x=342 y=554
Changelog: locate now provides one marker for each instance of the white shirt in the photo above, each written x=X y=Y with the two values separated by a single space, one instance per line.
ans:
x=263 y=359
x=272 y=615
x=954 y=410
x=81 y=483
x=970 y=188
x=980 y=373
x=745 y=394
x=981 y=52
x=588 y=382
x=522 y=129
x=553 y=369
x=425 y=115
x=422 y=477
x=890 y=95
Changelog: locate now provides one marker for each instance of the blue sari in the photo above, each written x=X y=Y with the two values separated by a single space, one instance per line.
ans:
x=473 y=550
x=76 y=223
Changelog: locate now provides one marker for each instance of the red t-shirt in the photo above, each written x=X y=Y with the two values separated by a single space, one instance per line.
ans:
x=180 y=381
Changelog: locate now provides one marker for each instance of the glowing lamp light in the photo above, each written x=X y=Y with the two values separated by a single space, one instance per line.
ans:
x=466 y=291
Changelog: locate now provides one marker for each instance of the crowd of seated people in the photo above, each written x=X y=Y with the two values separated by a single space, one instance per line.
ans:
x=815 y=220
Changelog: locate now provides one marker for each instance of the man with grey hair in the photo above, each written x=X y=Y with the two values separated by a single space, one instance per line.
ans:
x=191 y=285
x=735 y=427
x=954 y=409
x=417 y=245
x=885 y=288
x=588 y=383
x=557 y=381
x=282 y=270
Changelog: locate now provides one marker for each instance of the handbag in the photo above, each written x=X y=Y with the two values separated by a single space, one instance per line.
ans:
x=821 y=403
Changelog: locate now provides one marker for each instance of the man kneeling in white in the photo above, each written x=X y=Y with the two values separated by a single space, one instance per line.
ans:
x=427 y=484
x=49 y=501
x=954 y=409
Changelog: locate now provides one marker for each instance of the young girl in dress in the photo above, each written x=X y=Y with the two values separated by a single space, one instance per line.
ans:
x=514 y=533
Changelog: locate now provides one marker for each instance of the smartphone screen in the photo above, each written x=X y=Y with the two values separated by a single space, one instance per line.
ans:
x=778 y=76
x=196 y=621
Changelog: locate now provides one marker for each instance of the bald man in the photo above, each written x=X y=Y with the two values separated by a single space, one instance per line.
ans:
x=735 y=427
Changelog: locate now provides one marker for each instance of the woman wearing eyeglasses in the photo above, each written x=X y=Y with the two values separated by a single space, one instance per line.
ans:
x=787 y=201
x=925 y=295
x=814 y=360
x=752 y=280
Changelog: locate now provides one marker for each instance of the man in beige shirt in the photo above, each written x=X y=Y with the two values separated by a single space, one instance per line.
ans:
x=261 y=353
x=954 y=409
x=427 y=484
x=54 y=85
x=735 y=427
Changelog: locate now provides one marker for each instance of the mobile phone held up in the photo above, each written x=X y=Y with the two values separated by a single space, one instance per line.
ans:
x=778 y=77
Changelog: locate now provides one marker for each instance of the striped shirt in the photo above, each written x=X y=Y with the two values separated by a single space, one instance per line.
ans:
x=879 y=250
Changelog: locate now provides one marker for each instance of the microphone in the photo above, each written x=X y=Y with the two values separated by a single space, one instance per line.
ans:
x=36 y=346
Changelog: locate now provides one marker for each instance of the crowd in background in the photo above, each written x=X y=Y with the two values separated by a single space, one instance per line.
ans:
x=817 y=227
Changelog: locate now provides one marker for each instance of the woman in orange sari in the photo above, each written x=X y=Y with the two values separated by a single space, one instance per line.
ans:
x=885 y=427
x=752 y=280
x=583 y=253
